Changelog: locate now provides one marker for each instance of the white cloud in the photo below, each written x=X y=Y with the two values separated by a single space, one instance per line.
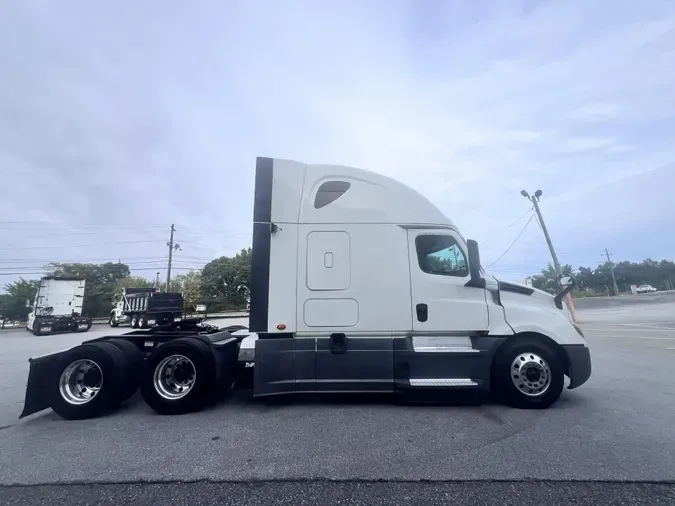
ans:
x=595 y=112
x=588 y=143
x=155 y=115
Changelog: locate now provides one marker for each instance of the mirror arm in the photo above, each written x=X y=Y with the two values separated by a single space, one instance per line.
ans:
x=560 y=296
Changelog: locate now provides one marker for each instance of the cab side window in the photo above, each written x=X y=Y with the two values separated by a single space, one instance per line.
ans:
x=441 y=255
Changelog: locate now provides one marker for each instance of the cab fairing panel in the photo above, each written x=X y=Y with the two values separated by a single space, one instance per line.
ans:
x=372 y=197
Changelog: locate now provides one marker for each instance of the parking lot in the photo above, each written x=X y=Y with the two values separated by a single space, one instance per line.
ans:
x=617 y=427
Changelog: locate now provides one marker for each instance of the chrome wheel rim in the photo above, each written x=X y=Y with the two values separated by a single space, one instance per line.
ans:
x=174 y=377
x=80 y=382
x=530 y=374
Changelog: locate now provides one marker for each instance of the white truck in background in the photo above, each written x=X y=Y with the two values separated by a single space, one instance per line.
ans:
x=358 y=284
x=58 y=306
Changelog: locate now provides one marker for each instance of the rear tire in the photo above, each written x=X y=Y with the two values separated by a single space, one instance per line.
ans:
x=135 y=358
x=143 y=322
x=77 y=392
x=179 y=377
x=527 y=374
x=134 y=321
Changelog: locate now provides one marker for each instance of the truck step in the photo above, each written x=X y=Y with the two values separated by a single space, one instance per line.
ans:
x=439 y=384
x=443 y=344
x=443 y=382
x=445 y=349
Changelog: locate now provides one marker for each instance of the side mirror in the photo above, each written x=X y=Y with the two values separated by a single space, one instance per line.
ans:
x=474 y=264
x=568 y=281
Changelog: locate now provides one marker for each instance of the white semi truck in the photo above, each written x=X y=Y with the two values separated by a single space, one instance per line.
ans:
x=359 y=284
x=58 y=306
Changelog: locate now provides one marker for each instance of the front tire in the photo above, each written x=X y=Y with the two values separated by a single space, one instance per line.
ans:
x=527 y=374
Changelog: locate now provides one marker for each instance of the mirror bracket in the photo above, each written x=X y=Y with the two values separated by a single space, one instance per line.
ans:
x=568 y=282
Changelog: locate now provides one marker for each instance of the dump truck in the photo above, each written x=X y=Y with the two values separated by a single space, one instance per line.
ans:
x=358 y=284
x=145 y=307
x=58 y=306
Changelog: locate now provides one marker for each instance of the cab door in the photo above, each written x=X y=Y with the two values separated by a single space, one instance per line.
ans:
x=442 y=304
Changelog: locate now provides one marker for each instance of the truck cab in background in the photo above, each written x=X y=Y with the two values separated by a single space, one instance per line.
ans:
x=58 y=306
x=359 y=283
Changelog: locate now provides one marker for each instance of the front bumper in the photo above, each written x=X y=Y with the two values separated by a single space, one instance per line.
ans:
x=579 y=360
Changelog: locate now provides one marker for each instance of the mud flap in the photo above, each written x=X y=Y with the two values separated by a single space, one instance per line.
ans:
x=37 y=387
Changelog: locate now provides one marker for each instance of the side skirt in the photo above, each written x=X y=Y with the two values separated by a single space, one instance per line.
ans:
x=285 y=365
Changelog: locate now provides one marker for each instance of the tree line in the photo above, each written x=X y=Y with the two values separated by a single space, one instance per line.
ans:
x=598 y=280
x=222 y=284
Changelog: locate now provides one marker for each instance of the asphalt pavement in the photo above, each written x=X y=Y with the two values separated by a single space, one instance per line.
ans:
x=597 y=442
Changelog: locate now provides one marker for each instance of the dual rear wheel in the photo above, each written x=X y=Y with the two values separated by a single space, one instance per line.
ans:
x=94 y=378
x=179 y=376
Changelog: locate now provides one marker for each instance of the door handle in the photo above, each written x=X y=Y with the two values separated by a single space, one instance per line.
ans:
x=422 y=312
x=338 y=343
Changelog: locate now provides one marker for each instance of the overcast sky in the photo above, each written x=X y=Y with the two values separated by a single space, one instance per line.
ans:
x=120 y=118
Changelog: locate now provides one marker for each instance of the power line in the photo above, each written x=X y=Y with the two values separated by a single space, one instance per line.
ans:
x=81 y=245
x=88 y=227
x=34 y=273
x=84 y=225
x=106 y=259
x=520 y=218
x=131 y=266
x=513 y=243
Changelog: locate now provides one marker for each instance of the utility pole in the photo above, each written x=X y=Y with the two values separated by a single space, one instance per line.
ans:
x=556 y=264
x=157 y=281
x=611 y=268
x=535 y=201
x=172 y=247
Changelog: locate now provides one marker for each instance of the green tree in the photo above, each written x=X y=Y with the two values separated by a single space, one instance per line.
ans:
x=14 y=305
x=226 y=281
x=660 y=274
x=547 y=279
x=5 y=302
x=190 y=285
x=131 y=282
x=175 y=285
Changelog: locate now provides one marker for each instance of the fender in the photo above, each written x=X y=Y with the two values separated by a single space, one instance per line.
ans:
x=540 y=315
